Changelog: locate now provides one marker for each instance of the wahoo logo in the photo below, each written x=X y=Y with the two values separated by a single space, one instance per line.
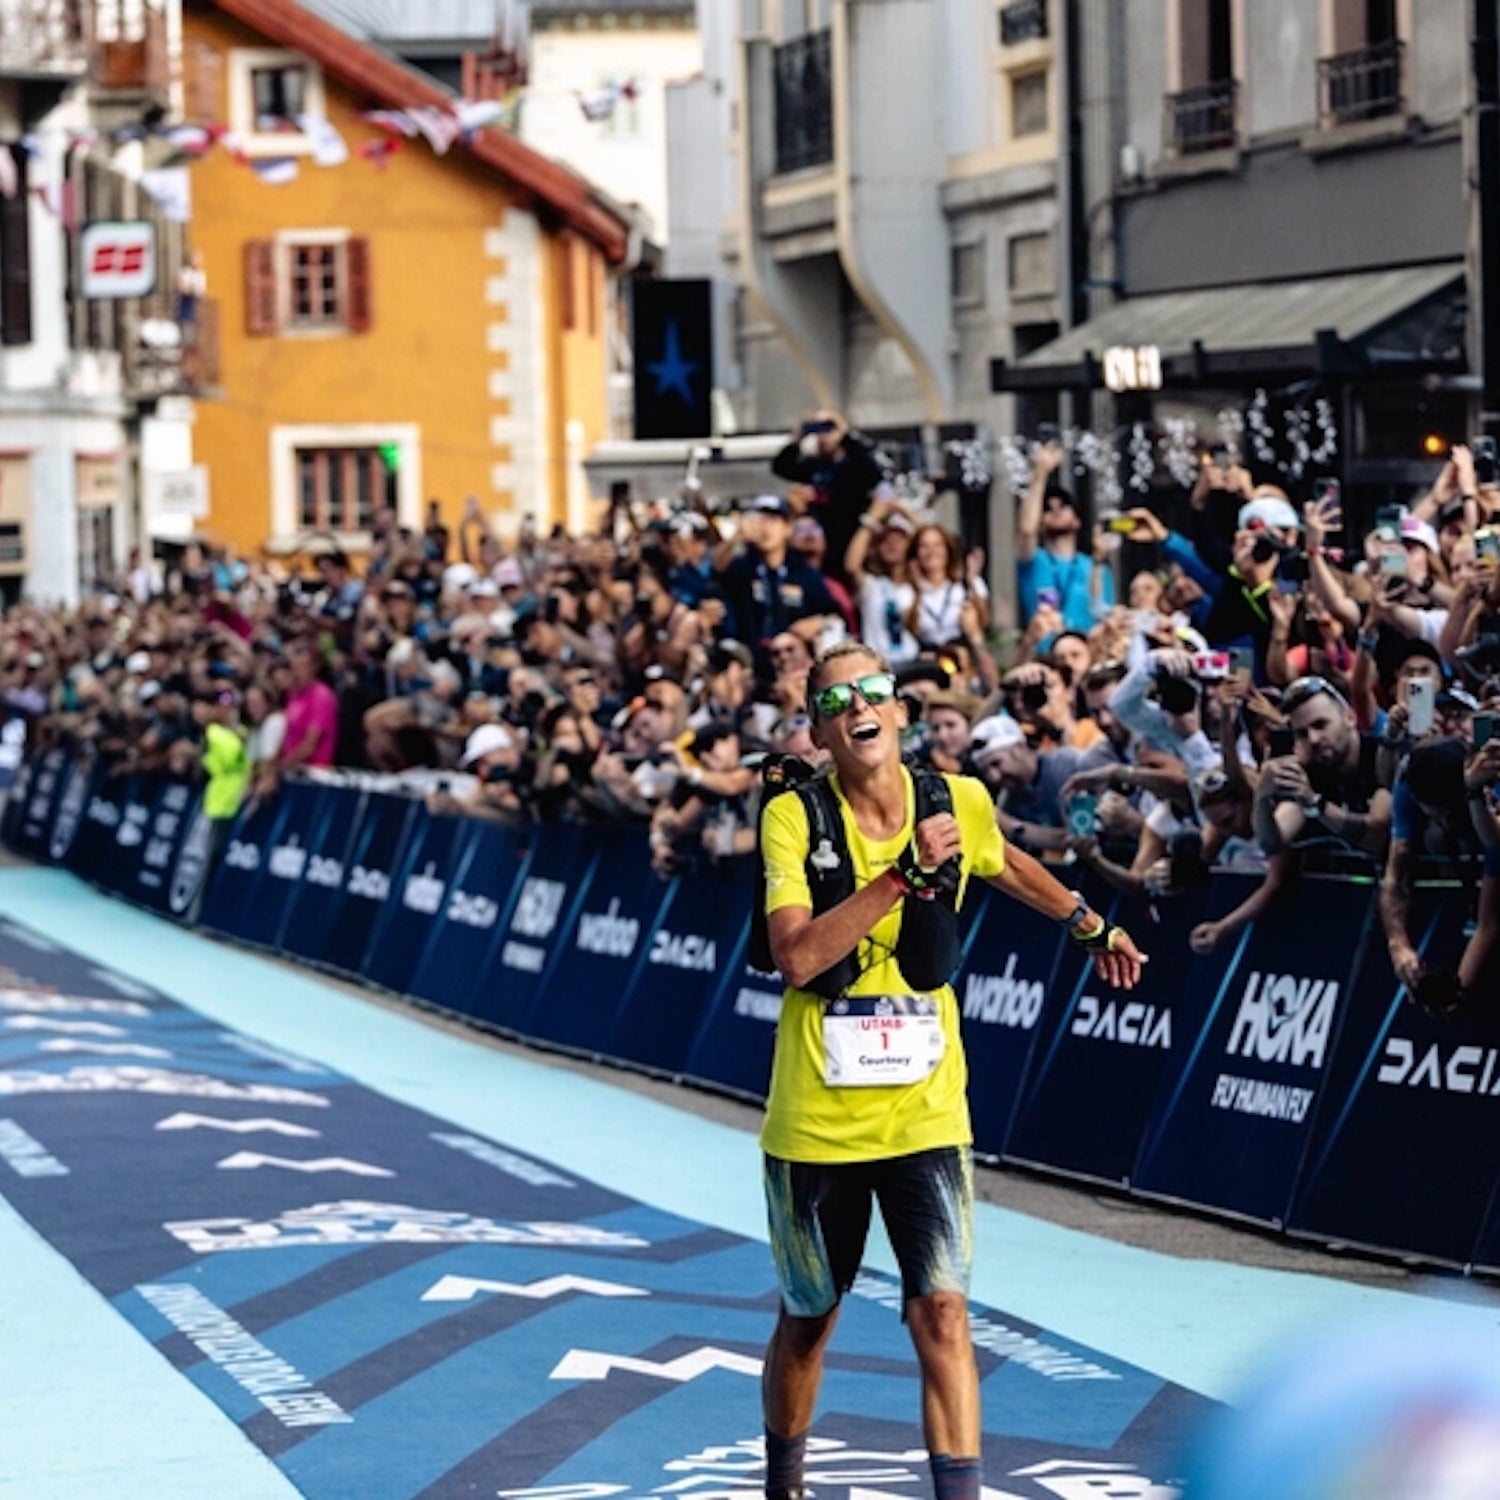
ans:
x=1463 y=1070
x=608 y=933
x=1002 y=999
x=684 y=952
x=242 y=856
x=478 y=912
x=325 y=872
x=424 y=893
x=1132 y=1022
x=373 y=885
x=288 y=860
x=539 y=907
x=758 y=1006
x=1285 y=1020
x=132 y=826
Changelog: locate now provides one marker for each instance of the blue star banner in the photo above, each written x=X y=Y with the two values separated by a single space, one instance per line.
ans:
x=672 y=323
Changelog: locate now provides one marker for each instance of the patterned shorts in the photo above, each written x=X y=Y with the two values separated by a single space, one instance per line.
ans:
x=820 y=1216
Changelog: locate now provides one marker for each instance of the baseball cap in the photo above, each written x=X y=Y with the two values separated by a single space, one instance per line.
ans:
x=508 y=574
x=459 y=575
x=898 y=520
x=1273 y=512
x=726 y=651
x=1415 y=529
x=485 y=741
x=688 y=520
x=771 y=505
x=992 y=735
x=138 y=663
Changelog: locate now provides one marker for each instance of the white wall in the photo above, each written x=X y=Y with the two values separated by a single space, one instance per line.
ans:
x=626 y=156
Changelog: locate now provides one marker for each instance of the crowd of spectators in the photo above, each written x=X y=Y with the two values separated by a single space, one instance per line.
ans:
x=1260 y=680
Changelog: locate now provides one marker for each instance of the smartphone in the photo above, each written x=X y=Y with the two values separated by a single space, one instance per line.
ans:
x=1082 y=807
x=1048 y=599
x=1120 y=525
x=1484 y=729
x=1280 y=740
x=1242 y=662
x=1328 y=493
x=1388 y=520
x=1486 y=466
x=1393 y=564
x=1327 y=489
x=1487 y=547
x=1421 y=699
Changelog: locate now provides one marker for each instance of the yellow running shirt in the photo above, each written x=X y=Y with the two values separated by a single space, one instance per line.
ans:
x=806 y=1119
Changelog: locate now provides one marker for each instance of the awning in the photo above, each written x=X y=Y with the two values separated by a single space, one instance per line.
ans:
x=655 y=467
x=1324 y=325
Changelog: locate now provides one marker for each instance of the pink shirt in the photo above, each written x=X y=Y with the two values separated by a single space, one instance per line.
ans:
x=313 y=710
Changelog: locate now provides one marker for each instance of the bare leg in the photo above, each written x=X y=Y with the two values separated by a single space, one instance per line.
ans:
x=794 y=1371
x=939 y=1326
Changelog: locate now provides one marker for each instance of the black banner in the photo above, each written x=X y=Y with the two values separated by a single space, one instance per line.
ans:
x=320 y=891
x=231 y=903
x=674 y=354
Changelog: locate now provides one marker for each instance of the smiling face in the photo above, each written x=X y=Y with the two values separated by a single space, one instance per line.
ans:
x=866 y=734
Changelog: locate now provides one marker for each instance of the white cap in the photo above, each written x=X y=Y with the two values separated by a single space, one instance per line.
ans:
x=1415 y=529
x=138 y=663
x=508 y=574
x=992 y=735
x=459 y=575
x=1272 y=511
x=485 y=741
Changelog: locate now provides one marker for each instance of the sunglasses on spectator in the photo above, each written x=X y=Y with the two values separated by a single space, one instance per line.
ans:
x=838 y=697
x=1305 y=689
x=1105 y=674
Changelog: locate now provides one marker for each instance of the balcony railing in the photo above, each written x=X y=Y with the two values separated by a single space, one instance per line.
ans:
x=1202 y=119
x=42 y=38
x=804 y=102
x=1362 y=85
x=129 y=53
x=1023 y=21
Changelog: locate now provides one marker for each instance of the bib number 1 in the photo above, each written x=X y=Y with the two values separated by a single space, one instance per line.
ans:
x=880 y=1040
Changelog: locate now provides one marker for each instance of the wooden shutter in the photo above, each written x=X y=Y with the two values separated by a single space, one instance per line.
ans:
x=260 y=287
x=360 y=303
x=204 y=92
x=15 y=257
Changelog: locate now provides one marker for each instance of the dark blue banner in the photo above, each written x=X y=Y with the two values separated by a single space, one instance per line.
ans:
x=1112 y=1048
x=78 y=784
x=12 y=749
x=548 y=895
x=320 y=890
x=700 y=931
x=1404 y=1150
x=172 y=813
x=37 y=797
x=1230 y=1130
x=414 y=915
x=232 y=903
x=454 y=968
x=91 y=846
x=375 y=856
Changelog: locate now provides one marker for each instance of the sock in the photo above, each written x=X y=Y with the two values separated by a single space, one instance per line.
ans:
x=955 y=1478
x=784 y=1457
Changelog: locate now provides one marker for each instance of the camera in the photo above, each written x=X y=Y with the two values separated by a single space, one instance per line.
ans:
x=1486 y=465
x=1048 y=432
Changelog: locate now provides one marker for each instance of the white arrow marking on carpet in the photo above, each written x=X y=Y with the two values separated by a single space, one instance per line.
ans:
x=593 y=1364
x=238 y=1127
x=77 y=1028
x=123 y=985
x=465 y=1288
x=104 y=1049
x=245 y=1161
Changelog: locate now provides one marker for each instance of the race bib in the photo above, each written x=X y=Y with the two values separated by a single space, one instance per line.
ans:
x=876 y=1040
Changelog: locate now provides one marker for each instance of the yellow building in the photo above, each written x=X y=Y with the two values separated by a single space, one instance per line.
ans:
x=398 y=326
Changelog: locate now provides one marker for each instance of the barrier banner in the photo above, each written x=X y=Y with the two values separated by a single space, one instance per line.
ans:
x=1009 y=972
x=734 y=1045
x=16 y=797
x=703 y=923
x=12 y=749
x=1404 y=1152
x=413 y=916
x=282 y=858
x=40 y=790
x=458 y=961
x=124 y=865
x=1230 y=1130
x=602 y=950
x=315 y=896
x=91 y=848
x=235 y=883
x=78 y=784
x=549 y=890
x=376 y=853
x=167 y=828
x=1101 y=1054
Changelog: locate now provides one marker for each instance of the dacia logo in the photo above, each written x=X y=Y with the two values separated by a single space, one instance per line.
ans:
x=1132 y=1022
x=689 y=951
x=1003 y=1000
x=373 y=885
x=539 y=907
x=242 y=856
x=1461 y=1070
x=1285 y=1020
x=473 y=911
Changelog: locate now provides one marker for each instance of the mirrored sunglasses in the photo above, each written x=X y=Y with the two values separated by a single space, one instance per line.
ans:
x=838 y=697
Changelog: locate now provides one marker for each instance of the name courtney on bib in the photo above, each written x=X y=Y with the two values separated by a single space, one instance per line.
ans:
x=879 y=1040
